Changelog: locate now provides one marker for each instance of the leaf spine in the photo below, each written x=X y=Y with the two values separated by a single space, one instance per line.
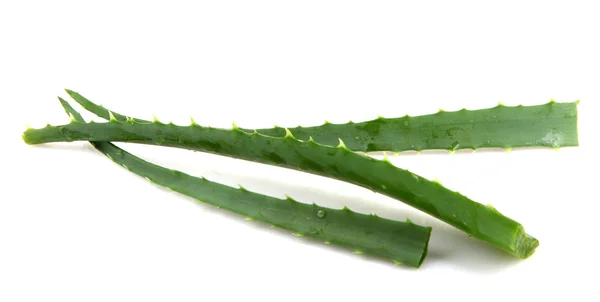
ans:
x=72 y=117
x=290 y=199
x=386 y=158
x=341 y=145
x=288 y=134
x=111 y=117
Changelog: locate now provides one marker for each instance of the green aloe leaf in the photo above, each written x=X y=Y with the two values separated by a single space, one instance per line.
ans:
x=549 y=125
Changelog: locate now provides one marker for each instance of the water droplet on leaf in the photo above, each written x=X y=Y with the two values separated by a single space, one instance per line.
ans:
x=321 y=213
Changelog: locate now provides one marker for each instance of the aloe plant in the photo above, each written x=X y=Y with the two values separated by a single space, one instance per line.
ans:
x=479 y=221
x=549 y=125
x=402 y=242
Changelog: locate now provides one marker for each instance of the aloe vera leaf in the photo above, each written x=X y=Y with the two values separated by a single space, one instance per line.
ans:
x=483 y=222
x=549 y=125
x=401 y=242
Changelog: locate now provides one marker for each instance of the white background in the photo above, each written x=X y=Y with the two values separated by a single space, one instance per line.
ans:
x=76 y=227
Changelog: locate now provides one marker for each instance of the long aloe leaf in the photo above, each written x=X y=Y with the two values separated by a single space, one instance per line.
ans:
x=483 y=222
x=402 y=242
x=549 y=125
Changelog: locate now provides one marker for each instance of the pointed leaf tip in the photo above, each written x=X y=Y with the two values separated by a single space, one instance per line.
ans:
x=70 y=92
x=234 y=126
x=341 y=145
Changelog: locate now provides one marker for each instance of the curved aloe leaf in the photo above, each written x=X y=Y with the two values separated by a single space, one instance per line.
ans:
x=550 y=125
x=483 y=222
x=402 y=242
